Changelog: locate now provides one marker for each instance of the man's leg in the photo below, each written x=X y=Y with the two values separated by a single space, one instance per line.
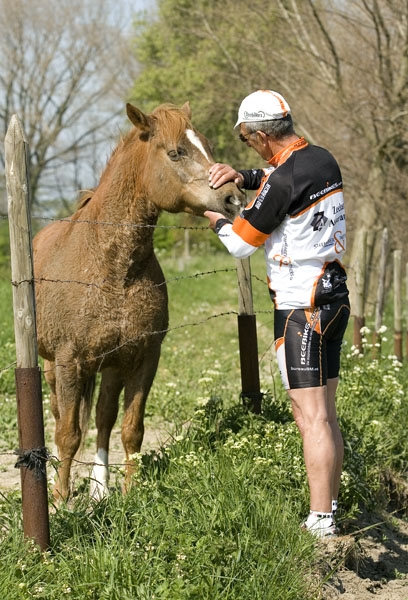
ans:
x=338 y=438
x=313 y=417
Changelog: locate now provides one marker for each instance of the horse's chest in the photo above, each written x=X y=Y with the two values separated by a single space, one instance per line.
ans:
x=136 y=308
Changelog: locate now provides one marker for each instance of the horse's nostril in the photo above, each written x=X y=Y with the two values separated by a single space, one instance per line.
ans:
x=232 y=200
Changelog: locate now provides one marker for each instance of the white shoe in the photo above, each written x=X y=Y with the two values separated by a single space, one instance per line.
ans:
x=321 y=525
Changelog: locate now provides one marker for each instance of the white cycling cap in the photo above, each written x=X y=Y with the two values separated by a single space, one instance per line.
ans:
x=262 y=105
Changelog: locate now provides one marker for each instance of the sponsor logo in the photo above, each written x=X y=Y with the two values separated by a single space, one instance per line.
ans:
x=330 y=242
x=337 y=219
x=319 y=221
x=339 y=239
x=259 y=114
x=283 y=259
x=262 y=194
x=303 y=345
x=326 y=283
x=326 y=190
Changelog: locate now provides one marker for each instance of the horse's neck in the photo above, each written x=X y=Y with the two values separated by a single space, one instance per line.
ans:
x=124 y=233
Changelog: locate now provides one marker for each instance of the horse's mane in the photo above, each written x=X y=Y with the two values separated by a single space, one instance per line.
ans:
x=172 y=120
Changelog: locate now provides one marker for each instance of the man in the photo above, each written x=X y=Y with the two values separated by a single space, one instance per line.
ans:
x=298 y=216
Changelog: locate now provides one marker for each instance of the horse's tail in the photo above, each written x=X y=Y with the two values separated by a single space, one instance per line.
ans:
x=86 y=407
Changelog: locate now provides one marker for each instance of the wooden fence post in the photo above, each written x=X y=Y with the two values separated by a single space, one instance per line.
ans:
x=359 y=320
x=248 y=343
x=406 y=310
x=379 y=305
x=397 y=305
x=32 y=453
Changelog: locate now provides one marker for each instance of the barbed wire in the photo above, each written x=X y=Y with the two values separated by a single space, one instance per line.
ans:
x=100 y=285
x=51 y=458
x=349 y=267
x=117 y=223
x=143 y=335
x=76 y=462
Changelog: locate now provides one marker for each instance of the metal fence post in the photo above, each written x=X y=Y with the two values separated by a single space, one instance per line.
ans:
x=248 y=342
x=32 y=453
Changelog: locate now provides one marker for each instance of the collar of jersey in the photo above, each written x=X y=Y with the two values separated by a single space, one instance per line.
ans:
x=283 y=155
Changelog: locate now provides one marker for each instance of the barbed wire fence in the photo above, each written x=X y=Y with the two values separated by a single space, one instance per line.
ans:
x=360 y=273
x=166 y=282
x=33 y=456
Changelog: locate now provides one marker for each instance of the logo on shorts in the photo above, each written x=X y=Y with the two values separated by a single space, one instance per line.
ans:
x=303 y=345
x=327 y=283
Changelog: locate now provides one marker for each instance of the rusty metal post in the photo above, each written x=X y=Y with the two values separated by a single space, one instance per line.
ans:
x=33 y=456
x=248 y=342
x=32 y=452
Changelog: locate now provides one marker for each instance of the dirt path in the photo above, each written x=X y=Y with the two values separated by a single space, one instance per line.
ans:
x=156 y=434
x=373 y=561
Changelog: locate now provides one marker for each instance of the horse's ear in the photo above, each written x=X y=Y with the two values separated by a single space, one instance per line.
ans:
x=186 y=110
x=138 y=118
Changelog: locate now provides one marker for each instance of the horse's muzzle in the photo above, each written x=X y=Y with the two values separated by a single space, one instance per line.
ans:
x=234 y=203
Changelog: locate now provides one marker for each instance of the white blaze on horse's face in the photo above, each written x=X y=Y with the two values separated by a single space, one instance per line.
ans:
x=195 y=140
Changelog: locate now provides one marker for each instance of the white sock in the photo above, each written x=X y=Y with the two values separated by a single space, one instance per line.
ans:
x=315 y=516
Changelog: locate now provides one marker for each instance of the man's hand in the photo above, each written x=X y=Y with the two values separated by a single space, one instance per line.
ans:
x=213 y=217
x=220 y=174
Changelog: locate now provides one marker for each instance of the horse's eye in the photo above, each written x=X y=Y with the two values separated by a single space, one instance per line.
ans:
x=176 y=154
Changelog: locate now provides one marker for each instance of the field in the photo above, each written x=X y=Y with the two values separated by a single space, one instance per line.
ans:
x=220 y=493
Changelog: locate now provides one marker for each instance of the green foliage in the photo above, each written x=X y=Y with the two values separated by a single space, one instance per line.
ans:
x=372 y=401
x=4 y=249
x=215 y=511
x=185 y=233
x=203 y=521
x=192 y=52
x=9 y=436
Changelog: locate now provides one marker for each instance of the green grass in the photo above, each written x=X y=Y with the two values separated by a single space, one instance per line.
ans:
x=214 y=514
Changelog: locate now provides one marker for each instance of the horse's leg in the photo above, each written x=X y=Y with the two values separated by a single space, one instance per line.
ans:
x=106 y=414
x=66 y=409
x=137 y=387
x=49 y=374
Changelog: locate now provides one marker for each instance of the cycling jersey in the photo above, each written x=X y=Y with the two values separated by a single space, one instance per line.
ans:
x=298 y=215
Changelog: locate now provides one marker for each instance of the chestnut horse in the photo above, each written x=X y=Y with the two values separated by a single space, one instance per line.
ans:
x=100 y=293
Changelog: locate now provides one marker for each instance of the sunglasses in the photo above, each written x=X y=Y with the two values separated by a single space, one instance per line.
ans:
x=244 y=138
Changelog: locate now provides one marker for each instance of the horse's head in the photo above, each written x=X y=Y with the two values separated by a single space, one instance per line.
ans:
x=177 y=164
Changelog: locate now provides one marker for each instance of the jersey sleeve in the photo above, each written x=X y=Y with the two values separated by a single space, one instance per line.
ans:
x=263 y=214
x=235 y=245
x=252 y=178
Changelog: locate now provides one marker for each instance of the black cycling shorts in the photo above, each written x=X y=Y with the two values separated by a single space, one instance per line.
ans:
x=308 y=343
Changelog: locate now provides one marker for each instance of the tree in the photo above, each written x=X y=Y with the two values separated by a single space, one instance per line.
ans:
x=194 y=51
x=343 y=67
x=357 y=54
x=66 y=69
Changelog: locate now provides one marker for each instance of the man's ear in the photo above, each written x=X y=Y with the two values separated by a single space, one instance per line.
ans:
x=263 y=136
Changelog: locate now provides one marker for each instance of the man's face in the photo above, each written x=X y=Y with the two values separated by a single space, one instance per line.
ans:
x=257 y=140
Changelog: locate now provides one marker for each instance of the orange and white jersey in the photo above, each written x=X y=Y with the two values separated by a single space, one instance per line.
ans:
x=298 y=216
